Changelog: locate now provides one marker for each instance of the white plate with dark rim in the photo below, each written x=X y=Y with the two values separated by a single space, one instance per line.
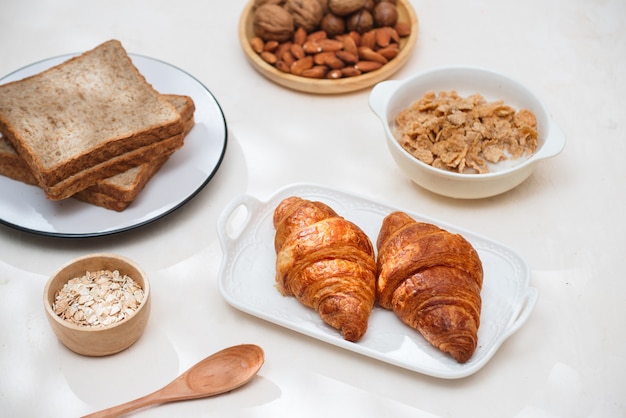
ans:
x=246 y=281
x=188 y=170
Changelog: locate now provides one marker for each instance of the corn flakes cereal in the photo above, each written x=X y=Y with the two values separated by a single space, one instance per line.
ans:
x=465 y=134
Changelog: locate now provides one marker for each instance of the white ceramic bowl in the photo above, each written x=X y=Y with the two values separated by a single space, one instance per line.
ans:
x=389 y=98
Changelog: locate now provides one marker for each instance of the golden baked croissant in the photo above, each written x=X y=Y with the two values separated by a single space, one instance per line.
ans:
x=432 y=280
x=326 y=262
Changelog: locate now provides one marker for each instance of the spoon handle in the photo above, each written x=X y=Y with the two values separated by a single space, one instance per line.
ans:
x=116 y=411
x=221 y=372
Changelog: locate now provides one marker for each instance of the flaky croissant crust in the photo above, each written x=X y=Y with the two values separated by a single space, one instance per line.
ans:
x=432 y=280
x=326 y=262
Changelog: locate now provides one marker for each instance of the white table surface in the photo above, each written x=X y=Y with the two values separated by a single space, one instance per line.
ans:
x=567 y=220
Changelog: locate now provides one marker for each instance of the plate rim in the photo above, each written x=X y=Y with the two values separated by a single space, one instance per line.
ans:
x=525 y=297
x=153 y=218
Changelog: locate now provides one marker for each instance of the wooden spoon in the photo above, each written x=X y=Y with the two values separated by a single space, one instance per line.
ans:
x=219 y=373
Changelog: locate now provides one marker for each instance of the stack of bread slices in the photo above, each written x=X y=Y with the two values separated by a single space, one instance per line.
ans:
x=91 y=128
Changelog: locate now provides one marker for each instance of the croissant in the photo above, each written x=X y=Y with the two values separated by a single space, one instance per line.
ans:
x=326 y=262
x=431 y=279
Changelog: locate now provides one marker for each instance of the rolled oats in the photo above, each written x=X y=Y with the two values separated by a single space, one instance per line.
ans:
x=98 y=298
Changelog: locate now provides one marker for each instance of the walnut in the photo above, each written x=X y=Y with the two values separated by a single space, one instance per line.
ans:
x=259 y=3
x=306 y=14
x=345 y=7
x=273 y=23
x=324 y=4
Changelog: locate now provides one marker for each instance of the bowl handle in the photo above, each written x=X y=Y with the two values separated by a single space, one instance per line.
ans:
x=555 y=144
x=379 y=97
x=229 y=224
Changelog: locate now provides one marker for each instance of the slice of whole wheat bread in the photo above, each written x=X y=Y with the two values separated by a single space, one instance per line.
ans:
x=119 y=191
x=115 y=192
x=115 y=165
x=73 y=122
x=12 y=165
x=102 y=200
x=125 y=186
x=142 y=175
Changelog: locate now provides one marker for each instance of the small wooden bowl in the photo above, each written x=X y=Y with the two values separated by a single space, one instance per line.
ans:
x=98 y=340
x=325 y=86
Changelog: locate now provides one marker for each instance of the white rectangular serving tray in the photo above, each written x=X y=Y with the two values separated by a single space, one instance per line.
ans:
x=246 y=281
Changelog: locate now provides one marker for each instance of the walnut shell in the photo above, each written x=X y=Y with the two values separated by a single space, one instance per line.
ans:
x=259 y=3
x=273 y=23
x=345 y=7
x=306 y=14
x=324 y=4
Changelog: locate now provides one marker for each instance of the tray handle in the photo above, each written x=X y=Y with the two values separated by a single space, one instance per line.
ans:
x=528 y=301
x=234 y=218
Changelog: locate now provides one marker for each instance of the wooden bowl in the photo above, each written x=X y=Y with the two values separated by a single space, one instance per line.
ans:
x=325 y=86
x=101 y=340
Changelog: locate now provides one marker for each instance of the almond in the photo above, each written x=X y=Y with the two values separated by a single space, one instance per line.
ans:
x=269 y=57
x=311 y=47
x=318 y=71
x=283 y=66
x=393 y=34
x=330 y=45
x=316 y=36
x=356 y=36
x=282 y=48
x=257 y=44
x=270 y=46
x=389 y=52
x=329 y=59
x=367 y=66
x=320 y=59
x=347 y=57
x=302 y=64
x=334 y=74
x=299 y=36
x=383 y=37
x=350 y=45
x=288 y=58
x=297 y=51
x=368 y=39
x=403 y=29
x=350 y=71
x=367 y=54
x=335 y=63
